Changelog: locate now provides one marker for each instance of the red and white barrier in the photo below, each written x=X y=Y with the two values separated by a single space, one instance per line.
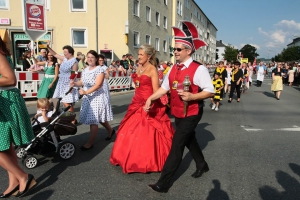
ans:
x=118 y=80
x=29 y=83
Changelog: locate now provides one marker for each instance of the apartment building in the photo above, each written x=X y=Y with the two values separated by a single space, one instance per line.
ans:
x=113 y=27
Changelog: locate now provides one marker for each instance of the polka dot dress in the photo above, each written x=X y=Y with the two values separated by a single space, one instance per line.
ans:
x=105 y=83
x=15 y=123
x=63 y=84
x=95 y=106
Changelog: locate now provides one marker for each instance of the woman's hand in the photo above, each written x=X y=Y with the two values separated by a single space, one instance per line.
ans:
x=50 y=86
x=147 y=105
x=82 y=92
x=72 y=83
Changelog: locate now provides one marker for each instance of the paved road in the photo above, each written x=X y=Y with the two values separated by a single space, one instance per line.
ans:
x=252 y=148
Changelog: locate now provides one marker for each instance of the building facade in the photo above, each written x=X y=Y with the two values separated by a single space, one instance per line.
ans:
x=112 y=28
x=220 y=50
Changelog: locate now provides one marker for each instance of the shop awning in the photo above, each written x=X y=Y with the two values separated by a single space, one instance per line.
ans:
x=3 y=34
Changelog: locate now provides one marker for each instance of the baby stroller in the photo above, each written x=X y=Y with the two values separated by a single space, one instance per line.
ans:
x=47 y=136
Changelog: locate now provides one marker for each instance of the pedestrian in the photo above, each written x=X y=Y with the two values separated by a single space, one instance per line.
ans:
x=187 y=107
x=223 y=75
x=144 y=139
x=15 y=128
x=218 y=86
x=68 y=65
x=95 y=107
x=277 y=85
x=236 y=81
x=291 y=73
x=43 y=56
x=261 y=71
x=81 y=63
x=51 y=70
x=228 y=85
x=27 y=62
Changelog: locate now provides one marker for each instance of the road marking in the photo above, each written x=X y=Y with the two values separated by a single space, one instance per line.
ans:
x=249 y=129
x=294 y=128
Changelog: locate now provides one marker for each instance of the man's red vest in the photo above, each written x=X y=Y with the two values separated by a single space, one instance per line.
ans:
x=176 y=103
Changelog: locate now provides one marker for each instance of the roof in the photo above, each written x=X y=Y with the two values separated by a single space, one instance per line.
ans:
x=220 y=44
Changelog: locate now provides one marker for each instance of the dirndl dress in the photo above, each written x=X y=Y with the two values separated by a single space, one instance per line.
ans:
x=44 y=91
x=14 y=118
x=277 y=84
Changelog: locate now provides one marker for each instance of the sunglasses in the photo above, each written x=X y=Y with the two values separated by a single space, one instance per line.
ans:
x=178 y=49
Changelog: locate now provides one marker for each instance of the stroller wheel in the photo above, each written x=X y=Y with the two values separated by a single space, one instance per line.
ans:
x=20 y=152
x=66 y=150
x=30 y=162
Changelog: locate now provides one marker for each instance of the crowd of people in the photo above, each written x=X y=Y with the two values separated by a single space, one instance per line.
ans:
x=145 y=141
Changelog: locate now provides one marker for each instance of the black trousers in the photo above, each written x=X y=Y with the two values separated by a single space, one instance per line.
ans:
x=184 y=137
x=236 y=87
x=258 y=83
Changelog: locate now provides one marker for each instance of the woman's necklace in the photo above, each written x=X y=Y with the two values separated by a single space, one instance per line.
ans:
x=142 y=70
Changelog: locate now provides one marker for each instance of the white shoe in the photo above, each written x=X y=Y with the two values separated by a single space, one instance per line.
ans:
x=213 y=106
x=216 y=109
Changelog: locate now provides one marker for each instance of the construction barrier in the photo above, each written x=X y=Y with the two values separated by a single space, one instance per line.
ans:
x=29 y=82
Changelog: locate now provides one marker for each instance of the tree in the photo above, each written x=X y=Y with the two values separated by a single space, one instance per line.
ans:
x=289 y=54
x=230 y=53
x=249 y=52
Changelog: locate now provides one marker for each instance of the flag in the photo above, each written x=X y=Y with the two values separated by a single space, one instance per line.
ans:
x=254 y=63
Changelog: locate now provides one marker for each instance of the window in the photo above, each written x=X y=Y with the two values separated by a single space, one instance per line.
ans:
x=136 y=8
x=187 y=4
x=165 y=45
x=157 y=18
x=148 y=39
x=166 y=2
x=4 y=4
x=148 y=14
x=165 y=22
x=136 y=39
x=179 y=8
x=157 y=44
x=79 y=37
x=78 y=5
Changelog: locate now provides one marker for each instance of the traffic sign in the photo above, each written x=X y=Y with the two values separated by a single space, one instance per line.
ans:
x=34 y=22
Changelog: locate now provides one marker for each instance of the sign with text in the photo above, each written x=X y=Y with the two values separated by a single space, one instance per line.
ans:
x=4 y=21
x=34 y=23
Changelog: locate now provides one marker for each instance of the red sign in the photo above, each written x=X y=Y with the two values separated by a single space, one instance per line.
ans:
x=35 y=17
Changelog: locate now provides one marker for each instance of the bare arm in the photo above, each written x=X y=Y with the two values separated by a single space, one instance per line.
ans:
x=75 y=67
x=156 y=95
x=98 y=84
x=54 y=53
x=107 y=74
x=154 y=79
x=8 y=77
x=55 y=76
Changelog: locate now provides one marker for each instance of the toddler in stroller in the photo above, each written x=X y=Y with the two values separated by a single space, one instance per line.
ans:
x=48 y=126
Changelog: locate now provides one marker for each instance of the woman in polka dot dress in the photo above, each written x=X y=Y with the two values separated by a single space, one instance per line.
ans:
x=15 y=127
x=95 y=106
x=68 y=64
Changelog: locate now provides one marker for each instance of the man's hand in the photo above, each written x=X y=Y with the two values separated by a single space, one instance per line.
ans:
x=82 y=92
x=186 y=96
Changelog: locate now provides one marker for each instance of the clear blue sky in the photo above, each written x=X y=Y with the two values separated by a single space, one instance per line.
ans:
x=269 y=25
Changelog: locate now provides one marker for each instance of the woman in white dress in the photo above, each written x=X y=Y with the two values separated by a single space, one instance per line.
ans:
x=95 y=106
x=68 y=65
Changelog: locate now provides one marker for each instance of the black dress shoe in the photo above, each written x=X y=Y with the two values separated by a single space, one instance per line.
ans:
x=198 y=173
x=229 y=101
x=83 y=148
x=112 y=134
x=29 y=184
x=158 y=189
x=11 y=193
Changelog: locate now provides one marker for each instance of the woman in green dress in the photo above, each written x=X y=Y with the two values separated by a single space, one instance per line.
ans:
x=51 y=69
x=15 y=127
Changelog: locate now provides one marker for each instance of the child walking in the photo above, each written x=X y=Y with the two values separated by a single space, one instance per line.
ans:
x=218 y=86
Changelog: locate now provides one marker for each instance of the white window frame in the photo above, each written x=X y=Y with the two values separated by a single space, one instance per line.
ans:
x=165 y=46
x=149 y=14
x=179 y=8
x=6 y=7
x=157 y=44
x=85 y=45
x=166 y=2
x=157 y=21
x=78 y=10
x=138 y=39
x=165 y=22
x=149 y=39
x=138 y=8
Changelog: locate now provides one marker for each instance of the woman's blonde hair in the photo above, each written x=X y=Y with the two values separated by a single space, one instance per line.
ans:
x=43 y=103
x=150 y=51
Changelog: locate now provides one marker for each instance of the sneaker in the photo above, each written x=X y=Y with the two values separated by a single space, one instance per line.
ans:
x=213 y=106
x=216 y=109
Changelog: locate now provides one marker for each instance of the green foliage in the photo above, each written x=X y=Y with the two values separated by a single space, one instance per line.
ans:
x=230 y=53
x=249 y=52
x=288 y=54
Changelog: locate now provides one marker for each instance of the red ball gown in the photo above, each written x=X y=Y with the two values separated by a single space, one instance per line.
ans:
x=144 y=139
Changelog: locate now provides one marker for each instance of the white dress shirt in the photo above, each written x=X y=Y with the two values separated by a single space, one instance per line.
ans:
x=201 y=77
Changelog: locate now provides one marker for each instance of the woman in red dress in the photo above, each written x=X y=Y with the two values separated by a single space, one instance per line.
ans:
x=144 y=139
